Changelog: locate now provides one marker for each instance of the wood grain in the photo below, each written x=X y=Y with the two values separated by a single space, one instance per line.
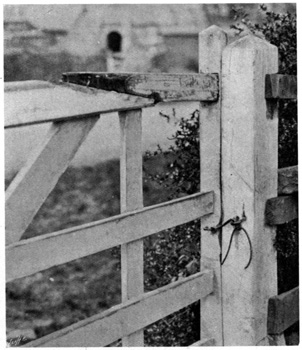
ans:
x=283 y=311
x=160 y=87
x=35 y=254
x=131 y=316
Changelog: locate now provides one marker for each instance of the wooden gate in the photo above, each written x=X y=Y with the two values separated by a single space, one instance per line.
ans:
x=238 y=170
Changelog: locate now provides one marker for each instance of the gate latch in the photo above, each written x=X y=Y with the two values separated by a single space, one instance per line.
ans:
x=237 y=223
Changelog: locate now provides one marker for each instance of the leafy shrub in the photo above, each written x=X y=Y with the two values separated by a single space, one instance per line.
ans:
x=175 y=253
x=172 y=253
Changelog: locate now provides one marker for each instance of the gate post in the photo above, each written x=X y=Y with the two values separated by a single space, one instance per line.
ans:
x=212 y=41
x=249 y=178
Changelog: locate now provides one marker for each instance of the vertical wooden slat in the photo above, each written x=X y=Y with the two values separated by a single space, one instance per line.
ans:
x=211 y=44
x=249 y=174
x=131 y=199
x=38 y=177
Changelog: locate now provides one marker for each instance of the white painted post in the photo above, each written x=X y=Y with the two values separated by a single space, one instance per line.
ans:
x=132 y=254
x=211 y=44
x=249 y=178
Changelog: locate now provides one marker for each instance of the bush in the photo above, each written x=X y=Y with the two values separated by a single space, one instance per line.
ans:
x=174 y=252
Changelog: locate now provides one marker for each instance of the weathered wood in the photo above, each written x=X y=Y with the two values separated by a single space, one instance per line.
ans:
x=283 y=311
x=131 y=175
x=135 y=314
x=160 y=87
x=280 y=210
x=278 y=86
x=288 y=180
x=204 y=342
x=37 y=178
x=211 y=44
x=249 y=175
x=39 y=253
x=60 y=103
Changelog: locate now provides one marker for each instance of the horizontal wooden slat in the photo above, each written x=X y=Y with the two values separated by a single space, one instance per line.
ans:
x=280 y=210
x=46 y=104
x=280 y=86
x=39 y=253
x=288 y=180
x=160 y=87
x=283 y=311
x=137 y=313
x=32 y=185
x=204 y=342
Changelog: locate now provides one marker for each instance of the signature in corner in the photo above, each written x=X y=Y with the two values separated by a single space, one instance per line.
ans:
x=15 y=341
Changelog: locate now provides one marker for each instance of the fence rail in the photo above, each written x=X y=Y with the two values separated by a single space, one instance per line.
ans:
x=39 y=253
x=62 y=102
x=283 y=311
x=133 y=315
x=278 y=86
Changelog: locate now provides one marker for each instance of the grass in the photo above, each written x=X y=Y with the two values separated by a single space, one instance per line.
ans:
x=62 y=295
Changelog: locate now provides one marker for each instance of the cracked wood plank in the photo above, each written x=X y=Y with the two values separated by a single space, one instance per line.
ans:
x=160 y=87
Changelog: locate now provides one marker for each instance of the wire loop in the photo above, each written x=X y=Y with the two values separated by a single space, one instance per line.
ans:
x=237 y=223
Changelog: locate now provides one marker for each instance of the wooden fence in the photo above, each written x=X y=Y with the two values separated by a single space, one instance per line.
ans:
x=238 y=90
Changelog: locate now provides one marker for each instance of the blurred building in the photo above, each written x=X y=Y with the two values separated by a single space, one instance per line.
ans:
x=116 y=37
x=20 y=34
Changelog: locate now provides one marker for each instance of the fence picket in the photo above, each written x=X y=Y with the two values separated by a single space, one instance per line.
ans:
x=131 y=167
x=34 y=182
